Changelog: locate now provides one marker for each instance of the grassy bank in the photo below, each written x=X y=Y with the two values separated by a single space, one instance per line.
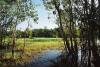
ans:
x=33 y=47
x=37 y=45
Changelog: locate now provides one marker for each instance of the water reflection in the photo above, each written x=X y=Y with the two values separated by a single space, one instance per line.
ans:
x=43 y=60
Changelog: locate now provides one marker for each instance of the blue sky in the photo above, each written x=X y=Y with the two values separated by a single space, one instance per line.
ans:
x=43 y=18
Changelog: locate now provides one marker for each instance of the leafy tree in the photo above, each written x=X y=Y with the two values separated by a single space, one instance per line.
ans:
x=82 y=15
x=12 y=13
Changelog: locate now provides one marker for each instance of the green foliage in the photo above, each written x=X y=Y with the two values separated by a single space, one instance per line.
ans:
x=38 y=33
x=13 y=12
x=45 y=33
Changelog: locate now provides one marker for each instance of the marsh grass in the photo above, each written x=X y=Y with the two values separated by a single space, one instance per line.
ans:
x=33 y=47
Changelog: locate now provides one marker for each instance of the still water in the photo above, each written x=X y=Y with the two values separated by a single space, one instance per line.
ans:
x=44 y=59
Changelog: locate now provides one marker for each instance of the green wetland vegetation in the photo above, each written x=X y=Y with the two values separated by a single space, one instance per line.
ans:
x=33 y=47
x=67 y=33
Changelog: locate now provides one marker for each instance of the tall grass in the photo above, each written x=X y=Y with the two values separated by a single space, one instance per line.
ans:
x=34 y=46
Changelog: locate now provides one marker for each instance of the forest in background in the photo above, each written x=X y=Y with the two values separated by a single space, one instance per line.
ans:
x=71 y=15
x=48 y=33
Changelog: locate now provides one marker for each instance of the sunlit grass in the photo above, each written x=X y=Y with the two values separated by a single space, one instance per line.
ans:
x=40 y=44
x=34 y=47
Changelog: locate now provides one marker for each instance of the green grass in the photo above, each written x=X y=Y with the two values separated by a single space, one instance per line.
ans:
x=40 y=40
x=35 y=46
x=40 y=44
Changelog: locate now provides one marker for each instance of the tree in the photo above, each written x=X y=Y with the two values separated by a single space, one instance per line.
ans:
x=12 y=13
x=82 y=15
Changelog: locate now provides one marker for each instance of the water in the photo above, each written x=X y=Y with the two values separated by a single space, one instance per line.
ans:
x=79 y=55
x=43 y=60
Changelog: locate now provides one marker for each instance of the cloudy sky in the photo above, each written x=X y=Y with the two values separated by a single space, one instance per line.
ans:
x=43 y=18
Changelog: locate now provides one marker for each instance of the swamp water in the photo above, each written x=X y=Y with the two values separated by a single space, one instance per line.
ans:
x=45 y=58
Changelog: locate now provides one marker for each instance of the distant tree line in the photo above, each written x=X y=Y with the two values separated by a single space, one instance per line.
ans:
x=52 y=33
x=46 y=33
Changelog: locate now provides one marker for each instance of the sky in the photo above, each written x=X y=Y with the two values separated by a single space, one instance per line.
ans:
x=43 y=21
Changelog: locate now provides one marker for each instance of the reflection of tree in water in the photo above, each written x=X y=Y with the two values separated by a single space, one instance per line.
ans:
x=78 y=22
x=86 y=14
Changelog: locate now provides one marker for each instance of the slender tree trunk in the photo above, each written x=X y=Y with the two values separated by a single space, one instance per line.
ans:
x=13 y=38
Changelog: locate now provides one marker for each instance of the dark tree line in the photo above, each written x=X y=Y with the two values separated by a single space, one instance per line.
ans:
x=53 y=33
x=46 y=33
